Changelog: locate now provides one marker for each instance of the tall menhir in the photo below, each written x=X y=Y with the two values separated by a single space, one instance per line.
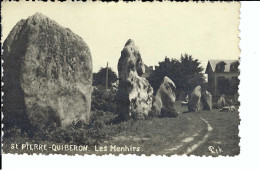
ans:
x=47 y=75
x=135 y=95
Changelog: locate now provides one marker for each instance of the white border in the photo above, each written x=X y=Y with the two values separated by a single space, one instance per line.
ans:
x=249 y=128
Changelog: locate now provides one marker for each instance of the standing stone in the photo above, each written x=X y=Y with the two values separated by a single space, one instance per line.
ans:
x=47 y=75
x=134 y=95
x=165 y=99
x=194 y=102
x=221 y=102
x=206 y=100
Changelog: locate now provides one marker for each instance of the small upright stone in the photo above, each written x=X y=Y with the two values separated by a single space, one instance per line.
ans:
x=221 y=102
x=194 y=101
x=206 y=99
x=134 y=95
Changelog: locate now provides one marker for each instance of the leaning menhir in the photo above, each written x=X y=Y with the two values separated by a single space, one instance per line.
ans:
x=195 y=99
x=47 y=75
x=165 y=99
x=135 y=94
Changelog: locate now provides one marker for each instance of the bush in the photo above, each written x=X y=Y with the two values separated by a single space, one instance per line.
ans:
x=93 y=133
x=168 y=112
x=103 y=100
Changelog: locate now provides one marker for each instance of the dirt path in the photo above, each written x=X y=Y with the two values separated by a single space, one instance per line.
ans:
x=191 y=143
x=166 y=136
x=205 y=133
x=224 y=138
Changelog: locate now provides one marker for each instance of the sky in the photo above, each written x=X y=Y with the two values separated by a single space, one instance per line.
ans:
x=204 y=30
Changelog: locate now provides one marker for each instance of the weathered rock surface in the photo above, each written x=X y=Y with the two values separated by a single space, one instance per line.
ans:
x=206 y=99
x=164 y=99
x=134 y=95
x=47 y=75
x=195 y=99
x=221 y=102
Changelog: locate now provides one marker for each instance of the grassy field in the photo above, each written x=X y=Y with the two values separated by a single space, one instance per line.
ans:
x=189 y=133
x=184 y=134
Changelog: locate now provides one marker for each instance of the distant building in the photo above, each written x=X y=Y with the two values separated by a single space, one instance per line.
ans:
x=148 y=71
x=223 y=76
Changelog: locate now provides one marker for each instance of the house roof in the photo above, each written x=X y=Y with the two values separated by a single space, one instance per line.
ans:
x=213 y=63
x=148 y=71
x=147 y=68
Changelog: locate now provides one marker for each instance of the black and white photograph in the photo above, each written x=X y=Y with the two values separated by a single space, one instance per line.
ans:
x=121 y=78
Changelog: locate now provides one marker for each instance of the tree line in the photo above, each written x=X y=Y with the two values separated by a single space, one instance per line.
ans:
x=186 y=73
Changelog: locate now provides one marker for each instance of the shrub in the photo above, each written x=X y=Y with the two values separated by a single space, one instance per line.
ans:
x=168 y=112
x=103 y=100
x=93 y=133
